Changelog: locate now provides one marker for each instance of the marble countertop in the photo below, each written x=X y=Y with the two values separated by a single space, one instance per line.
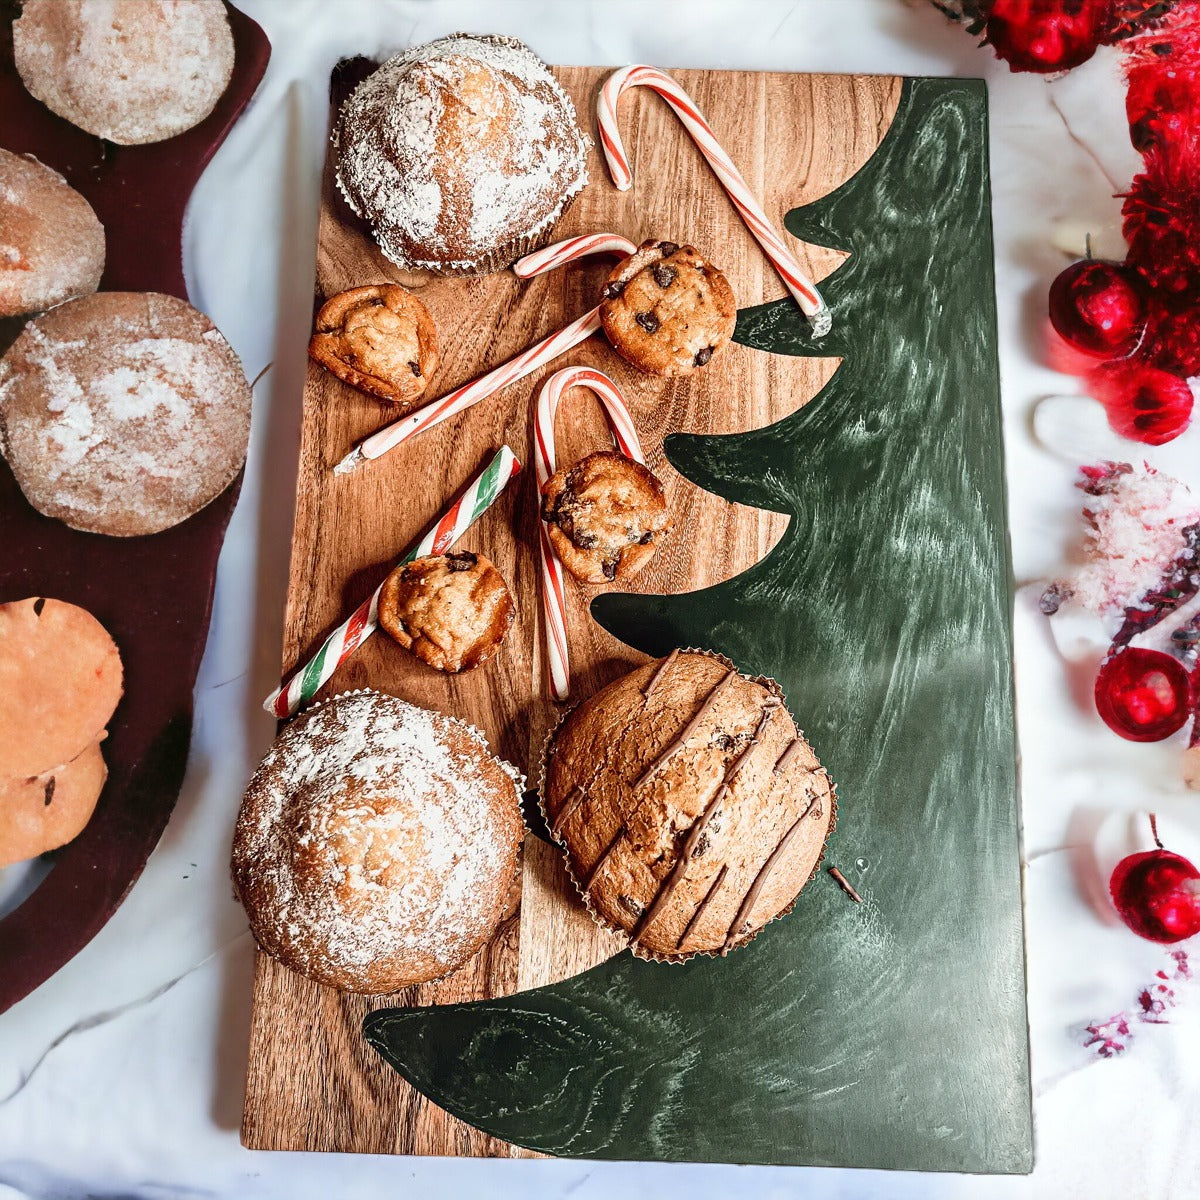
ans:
x=123 y=1075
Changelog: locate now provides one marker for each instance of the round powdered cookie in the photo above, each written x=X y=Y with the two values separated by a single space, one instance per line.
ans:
x=47 y=811
x=690 y=808
x=130 y=71
x=376 y=844
x=606 y=516
x=60 y=680
x=451 y=610
x=460 y=154
x=379 y=339
x=51 y=242
x=666 y=310
x=123 y=412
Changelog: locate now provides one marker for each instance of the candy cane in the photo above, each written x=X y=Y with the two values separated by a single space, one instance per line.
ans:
x=481 y=493
x=782 y=259
x=528 y=361
x=554 y=600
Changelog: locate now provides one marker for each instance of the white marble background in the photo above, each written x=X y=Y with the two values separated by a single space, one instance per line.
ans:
x=122 y=1076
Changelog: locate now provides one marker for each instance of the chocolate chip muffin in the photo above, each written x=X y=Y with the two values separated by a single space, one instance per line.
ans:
x=667 y=310
x=605 y=516
x=690 y=808
x=377 y=844
x=379 y=339
x=451 y=610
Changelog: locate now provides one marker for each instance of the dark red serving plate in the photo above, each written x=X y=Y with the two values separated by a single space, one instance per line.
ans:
x=153 y=594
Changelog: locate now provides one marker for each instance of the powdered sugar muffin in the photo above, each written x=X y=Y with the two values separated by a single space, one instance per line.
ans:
x=460 y=154
x=131 y=71
x=51 y=242
x=123 y=412
x=376 y=844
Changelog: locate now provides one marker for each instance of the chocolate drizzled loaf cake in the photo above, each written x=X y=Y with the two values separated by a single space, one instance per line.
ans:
x=460 y=154
x=690 y=808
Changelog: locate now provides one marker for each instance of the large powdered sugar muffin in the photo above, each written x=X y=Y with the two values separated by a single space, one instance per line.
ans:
x=689 y=806
x=460 y=154
x=130 y=71
x=123 y=413
x=376 y=844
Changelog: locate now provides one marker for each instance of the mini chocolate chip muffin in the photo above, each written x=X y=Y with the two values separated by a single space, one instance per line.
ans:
x=690 y=808
x=605 y=516
x=451 y=610
x=667 y=310
x=379 y=339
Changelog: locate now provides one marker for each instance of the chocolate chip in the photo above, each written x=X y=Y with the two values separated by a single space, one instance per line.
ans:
x=586 y=541
x=721 y=740
x=38 y=605
x=609 y=568
x=463 y=561
x=702 y=845
x=664 y=275
x=415 y=368
x=702 y=356
x=613 y=290
x=49 y=790
x=668 y=247
x=634 y=905
x=646 y=538
x=648 y=321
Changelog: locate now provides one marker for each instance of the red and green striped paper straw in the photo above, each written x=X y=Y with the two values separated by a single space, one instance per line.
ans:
x=481 y=493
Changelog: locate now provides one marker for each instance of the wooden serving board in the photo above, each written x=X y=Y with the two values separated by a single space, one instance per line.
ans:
x=313 y=1083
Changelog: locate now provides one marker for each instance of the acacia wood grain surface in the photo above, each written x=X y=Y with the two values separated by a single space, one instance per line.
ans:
x=312 y=1082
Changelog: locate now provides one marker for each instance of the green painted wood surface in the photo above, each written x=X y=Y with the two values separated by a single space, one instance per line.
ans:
x=887 y=1034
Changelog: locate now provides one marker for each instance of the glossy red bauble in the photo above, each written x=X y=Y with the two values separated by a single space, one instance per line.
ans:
x=1157 y=894
x=1143 y=403
x=1144 y=695
x=1047 y=35
x=1100 y=308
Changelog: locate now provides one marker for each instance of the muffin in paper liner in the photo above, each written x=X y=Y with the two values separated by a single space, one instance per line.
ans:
x=446 y=150
x=319 y=949
x=682 y=953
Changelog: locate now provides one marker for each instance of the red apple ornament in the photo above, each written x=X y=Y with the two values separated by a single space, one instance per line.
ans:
x=1047 y=35
x=1144 y=695
x=1099 y=308
x=1157 y=893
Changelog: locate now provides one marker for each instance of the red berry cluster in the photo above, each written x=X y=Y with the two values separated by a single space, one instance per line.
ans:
x=1137 y=320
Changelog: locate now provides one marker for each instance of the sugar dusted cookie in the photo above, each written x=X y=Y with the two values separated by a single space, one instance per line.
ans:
x=51 y=242
x=60 y=680
x=131 y=71
x=123 y=412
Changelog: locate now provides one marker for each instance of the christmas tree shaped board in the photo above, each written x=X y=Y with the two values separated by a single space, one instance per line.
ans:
x=890 y=1033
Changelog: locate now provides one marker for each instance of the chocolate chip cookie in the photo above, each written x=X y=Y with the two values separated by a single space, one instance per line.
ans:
x=667 y=310
x=605 y=516
x=379 y=339
x=451 y=610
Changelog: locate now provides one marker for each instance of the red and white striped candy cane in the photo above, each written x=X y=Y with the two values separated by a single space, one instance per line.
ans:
x=554 y=599
x=738 y=190
x=525 y=363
